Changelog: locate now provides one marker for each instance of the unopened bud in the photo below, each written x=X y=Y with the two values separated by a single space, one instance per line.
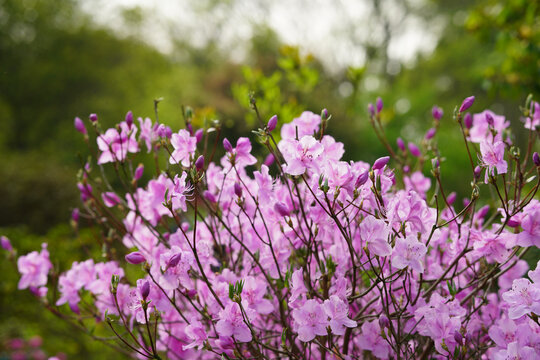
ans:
x=451 y=198
x=269 y=160
x=324 y=114
x=138 y=172
x=174 y=260
x=227 y=145
x=209 y=196
x=430 y=134
x=79 y=126
x=129 y=119
x=110 y=199
x=477 y=171
x=281 y=209
x=383 y=321
x=199 y=163
x=467 y=103
x=458 y=337
x=238 y=189
x=381 y=162
x=490 y=120
x=437 y=113
x=135 y=258
x=513 y=223
x=5 y=243
x=482 y=212
x=406 y=169
x=415 y=151
x=362 y=179
x=536 y=159
x=75 y=215
x=468 y=121
x=371 y=109
x=190 y=128
x=272 y=123
x=93 y=118
x=198 y=135
x=400 y=144
x=379 y=105
x=145 y=290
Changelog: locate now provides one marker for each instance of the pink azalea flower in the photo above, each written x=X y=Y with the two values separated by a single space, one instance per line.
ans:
x=253 y=296
x=307 y=124
x=514 y=351
x=533 y=121
x=490 y=245
x=242 y=153
x=231 y=323
x=184 y=147
x=375 y=233
x=417 y=182
x=493 y=158
x=480 y=130
x=175 y=264
x=338 y=311
x=196 y=332
x=300 y=155
x=309 y=322
x=409 y=252
x=298 y=289
x=148 y=132
x=34 y=268
x=523 y=298
x=530 y=223
x=370 y=339
x=114 y=145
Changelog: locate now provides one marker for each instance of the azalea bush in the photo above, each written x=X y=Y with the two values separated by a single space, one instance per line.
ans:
x=299 y=254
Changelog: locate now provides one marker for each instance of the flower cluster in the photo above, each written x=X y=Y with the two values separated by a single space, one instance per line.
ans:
x=304 y=254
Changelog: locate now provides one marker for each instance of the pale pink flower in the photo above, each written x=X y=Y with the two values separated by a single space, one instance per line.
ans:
x=516 y=352
x=196 y=332
x=148 y=132
x=184 y=147
x=34 y=268
x=309 y=322
x=231 y=323
x=375 y=233
x=370 y=339
x=493 y=158
x=338 y=311
x=306 y=124
x=300 y=155
x=523 y=298
x=114 y=145
x=253 y=296
x=480 y=130
x=409 y=252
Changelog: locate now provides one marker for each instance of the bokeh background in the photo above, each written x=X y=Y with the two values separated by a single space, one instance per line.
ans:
x=65 y=58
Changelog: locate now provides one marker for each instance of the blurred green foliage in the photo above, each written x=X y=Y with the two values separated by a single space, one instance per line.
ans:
x=57 y=64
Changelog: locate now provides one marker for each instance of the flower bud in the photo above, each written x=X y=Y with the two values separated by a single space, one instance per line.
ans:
x=536 y=159
x=138 y=172
x=380 y=162
x=74 y=308
x=75 y=215
x=5 y=243
x=361 y=179
x=168 y=132
x=379 y=103
x=190 y=128
x=482 y=212
x=79 y=126
x=406 y=169
x=430 y=134
x=199 y=163
x=324 y=114
x=135 y=258
x=451 y=198
x=272 y=123
x=129 y=119
x=513 y=223
x=477 y=171
x=161 y=130
x=110 y=199
x=400 y=144
x=415 y=151
x=383 y=321
x=209 y=196
x=174 y=260
x=469 y=338
x=468 y=121
x=269 y=160
x=93 y=118
x=371 y=109
x=227 y=145
x=490 y=120
x=458 y=337
x=145 y=290
x=437 y=113
x=281 y=209
x=199 y=134
x=467 y=103
x=238 y=189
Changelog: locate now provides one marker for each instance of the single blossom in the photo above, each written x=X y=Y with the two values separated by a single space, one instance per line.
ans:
x=34 y=268
x=493 y=158
x=184 y=147
x=409 y=252
x=523 y=298
x=309 y=322
x=231 y=323
x=338 y=311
